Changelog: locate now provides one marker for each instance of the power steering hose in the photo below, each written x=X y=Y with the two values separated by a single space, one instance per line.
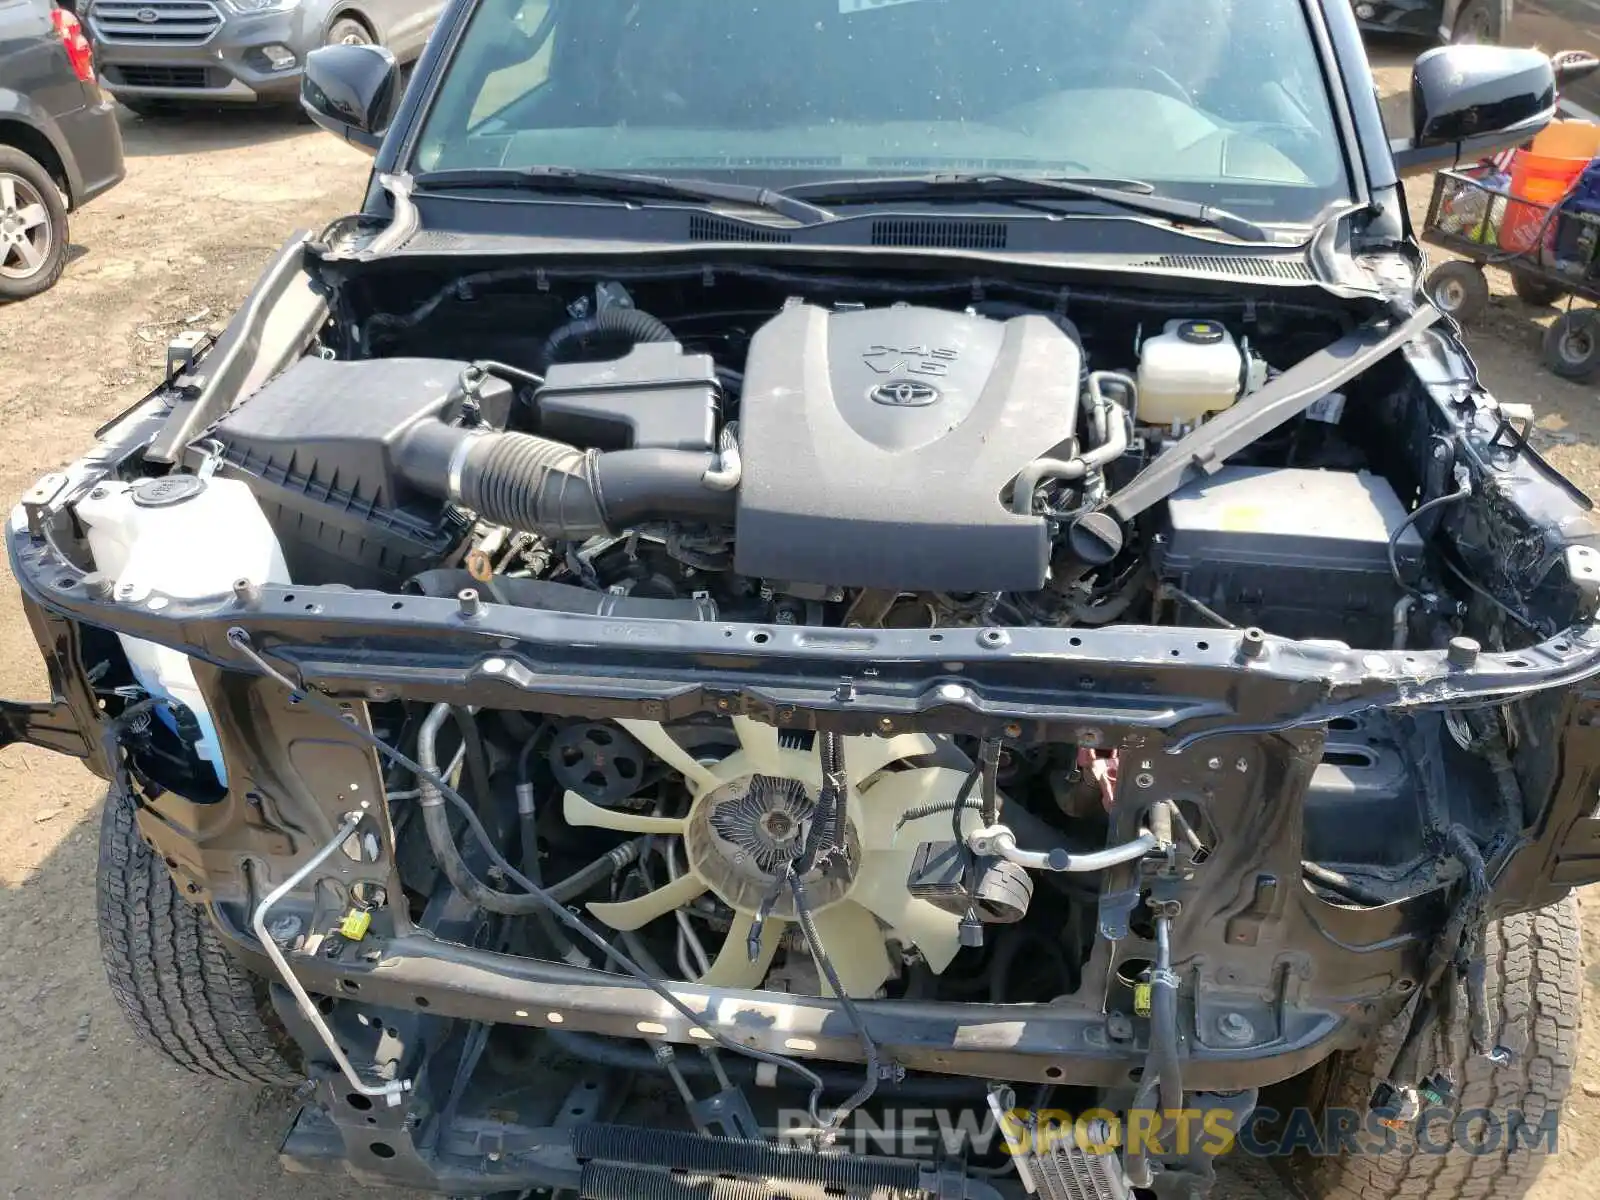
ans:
x=437 y=825
x=239 y=639
x=1161 y=1079
x=1163 y=1055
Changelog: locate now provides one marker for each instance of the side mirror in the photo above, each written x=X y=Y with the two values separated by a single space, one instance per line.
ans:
x=352 y=92
x=1470 y=101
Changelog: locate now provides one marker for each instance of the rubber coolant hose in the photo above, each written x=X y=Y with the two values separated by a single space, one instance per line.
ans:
x=626 y=325
x=436 y=823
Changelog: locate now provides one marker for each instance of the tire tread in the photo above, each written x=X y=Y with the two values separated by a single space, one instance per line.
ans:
x=1535 y=989
x=172 y=977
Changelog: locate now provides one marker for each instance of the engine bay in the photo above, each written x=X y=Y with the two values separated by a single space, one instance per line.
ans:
x=985 y=683
x=623 y=684
x=836 y=463
x=775 y=455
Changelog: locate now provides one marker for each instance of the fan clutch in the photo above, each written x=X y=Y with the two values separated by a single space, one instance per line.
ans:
x=746 y=814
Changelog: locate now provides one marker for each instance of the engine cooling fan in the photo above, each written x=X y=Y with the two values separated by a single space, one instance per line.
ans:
x=745 y=820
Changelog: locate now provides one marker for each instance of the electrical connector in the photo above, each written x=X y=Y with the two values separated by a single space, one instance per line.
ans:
x=355 y=923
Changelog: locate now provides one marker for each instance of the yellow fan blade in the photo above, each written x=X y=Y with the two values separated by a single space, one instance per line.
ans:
x=865 y=756
x=732 y=967
x=579 y=811
x=855 y=946
x=881 y=890
x=888 y=849
x=892 y=796
x=760 y=745
x=657 y=740
x=636 y=914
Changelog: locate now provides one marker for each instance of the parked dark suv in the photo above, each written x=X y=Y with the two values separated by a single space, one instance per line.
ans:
x=1444 y=20
x=59 y=141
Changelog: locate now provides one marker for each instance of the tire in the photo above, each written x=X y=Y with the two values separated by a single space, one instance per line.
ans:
x=33 y=227
x=1478 y=21
x=1531 y=289
x=1535 y=995
x=347 y=31
x=1572 y=344
x=169 y=971
x=1459 y=289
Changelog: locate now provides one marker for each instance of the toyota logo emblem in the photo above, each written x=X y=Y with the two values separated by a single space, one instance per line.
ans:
x=904 y=393
x=147 y=16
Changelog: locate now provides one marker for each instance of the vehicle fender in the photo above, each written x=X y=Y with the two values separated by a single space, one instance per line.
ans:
x=1452 y=9
x=18 y=110
x=338 y=10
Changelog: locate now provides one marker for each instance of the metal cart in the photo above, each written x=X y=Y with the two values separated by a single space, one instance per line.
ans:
x=1551 y=254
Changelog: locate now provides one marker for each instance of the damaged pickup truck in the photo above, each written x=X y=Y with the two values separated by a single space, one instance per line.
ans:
x=812 y=559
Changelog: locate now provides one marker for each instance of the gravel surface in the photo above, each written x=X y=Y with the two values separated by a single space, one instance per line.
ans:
x=84 y=1110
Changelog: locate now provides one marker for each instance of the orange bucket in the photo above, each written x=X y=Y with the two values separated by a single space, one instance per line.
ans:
x=1568 y=139
x=1543 y=181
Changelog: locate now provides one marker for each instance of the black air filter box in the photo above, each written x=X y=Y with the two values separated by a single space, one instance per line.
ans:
x=1302 y=554
x=317 y=445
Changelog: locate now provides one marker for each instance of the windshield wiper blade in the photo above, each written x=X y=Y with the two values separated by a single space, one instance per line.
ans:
x=625 y=185
x=1131 y=194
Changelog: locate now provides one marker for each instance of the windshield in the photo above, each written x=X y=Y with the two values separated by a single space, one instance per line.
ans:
x=1216 y=100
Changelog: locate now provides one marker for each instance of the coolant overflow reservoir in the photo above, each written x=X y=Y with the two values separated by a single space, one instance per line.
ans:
x=1191 y=369
x=186 y=538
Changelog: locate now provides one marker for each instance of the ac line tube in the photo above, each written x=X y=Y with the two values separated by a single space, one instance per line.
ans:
x=1000 y=842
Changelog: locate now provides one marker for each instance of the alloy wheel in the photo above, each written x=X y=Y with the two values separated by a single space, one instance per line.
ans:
x=26 y=238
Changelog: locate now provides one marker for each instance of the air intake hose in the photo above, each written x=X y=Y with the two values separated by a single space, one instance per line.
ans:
x=609 y=326
x=534 y=484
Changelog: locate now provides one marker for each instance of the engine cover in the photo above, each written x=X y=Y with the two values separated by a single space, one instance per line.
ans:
x=877 y=445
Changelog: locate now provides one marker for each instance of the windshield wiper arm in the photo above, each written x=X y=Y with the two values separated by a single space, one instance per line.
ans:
x=1130 y=194
x=625 y=185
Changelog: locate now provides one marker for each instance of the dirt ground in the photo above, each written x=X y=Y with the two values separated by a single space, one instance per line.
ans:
x=84 y=1110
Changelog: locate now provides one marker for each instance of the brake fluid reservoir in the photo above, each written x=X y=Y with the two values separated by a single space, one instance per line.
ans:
x=185 y=538
x=1191 y=369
